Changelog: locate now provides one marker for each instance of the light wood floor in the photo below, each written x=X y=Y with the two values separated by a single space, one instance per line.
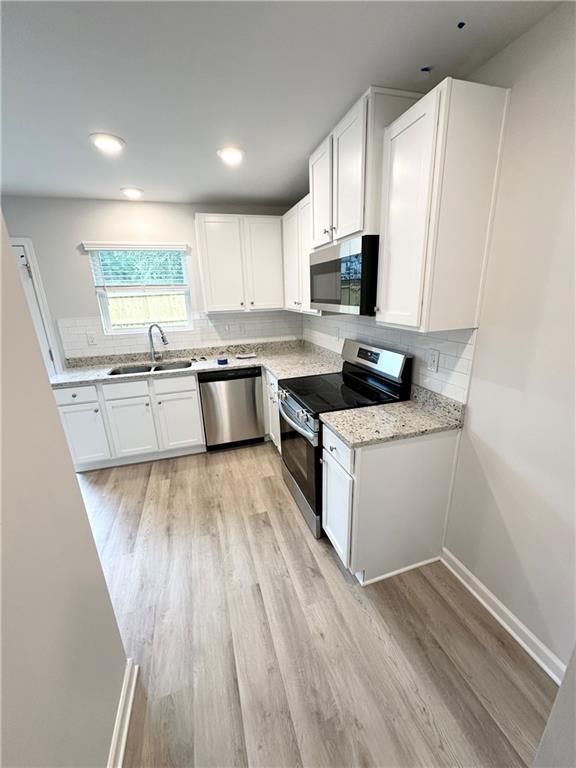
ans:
x=255 y=649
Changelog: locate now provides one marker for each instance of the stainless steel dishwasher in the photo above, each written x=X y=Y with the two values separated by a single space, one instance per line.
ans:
x=232 y=406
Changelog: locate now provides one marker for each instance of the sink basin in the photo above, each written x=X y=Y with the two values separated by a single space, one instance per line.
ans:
x=123 y=369
x=175 y=366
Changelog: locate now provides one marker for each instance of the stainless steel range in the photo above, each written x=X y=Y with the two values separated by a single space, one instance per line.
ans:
x=369 y=376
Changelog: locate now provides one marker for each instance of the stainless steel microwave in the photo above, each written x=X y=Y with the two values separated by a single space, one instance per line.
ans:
x=343 y=277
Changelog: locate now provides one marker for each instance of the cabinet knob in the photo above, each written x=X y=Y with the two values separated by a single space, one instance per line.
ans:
x=333 y=228
x=96 y=410
x=326 y=231
x=252 y=303
x=332 y=448
x=147 y=405
x=74 y=394
x=241 y=303
x=159 y=402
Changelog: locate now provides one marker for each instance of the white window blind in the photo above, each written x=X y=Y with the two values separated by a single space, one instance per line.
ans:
x=138 y=286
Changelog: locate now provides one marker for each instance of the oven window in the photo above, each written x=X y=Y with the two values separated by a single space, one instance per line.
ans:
x=337 y=282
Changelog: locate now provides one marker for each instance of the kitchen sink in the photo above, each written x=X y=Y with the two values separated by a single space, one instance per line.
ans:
x=123 y=369
x=175 y=366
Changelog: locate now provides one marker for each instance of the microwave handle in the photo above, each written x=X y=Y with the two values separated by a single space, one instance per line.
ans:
x=312 y=437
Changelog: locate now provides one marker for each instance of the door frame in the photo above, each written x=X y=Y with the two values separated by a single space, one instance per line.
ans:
x=41 y=300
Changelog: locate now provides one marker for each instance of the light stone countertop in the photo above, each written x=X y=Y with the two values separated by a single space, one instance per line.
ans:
x=283 y=361
x=424 y=414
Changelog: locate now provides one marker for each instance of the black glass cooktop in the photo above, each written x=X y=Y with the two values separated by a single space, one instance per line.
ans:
x=333 y=392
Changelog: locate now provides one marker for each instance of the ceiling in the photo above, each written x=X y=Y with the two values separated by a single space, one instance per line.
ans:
x=178 y=80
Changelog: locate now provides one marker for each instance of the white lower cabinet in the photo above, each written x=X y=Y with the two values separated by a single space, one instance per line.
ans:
x=179 y=420
x=384 y=505
x=85 y=432
x=132 y=426
x=148 y=418
x=271 y=398
x=336 y=505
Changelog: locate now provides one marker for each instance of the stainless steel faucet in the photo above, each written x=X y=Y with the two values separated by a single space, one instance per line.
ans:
x=154 y=355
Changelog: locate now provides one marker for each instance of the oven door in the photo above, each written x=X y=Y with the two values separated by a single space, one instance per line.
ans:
x=302 y=469
x=336 y=279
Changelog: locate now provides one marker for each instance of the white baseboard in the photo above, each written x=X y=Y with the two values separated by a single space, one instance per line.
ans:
x=397 y=572
x=542 y=655
x=120 y=733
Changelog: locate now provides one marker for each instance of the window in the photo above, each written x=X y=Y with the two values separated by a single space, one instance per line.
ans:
x=139 y=285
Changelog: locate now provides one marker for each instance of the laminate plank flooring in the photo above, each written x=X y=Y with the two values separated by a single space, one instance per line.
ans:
x=256 y=649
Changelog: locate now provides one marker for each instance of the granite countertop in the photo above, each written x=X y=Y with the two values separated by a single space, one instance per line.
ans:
x=282 y=360
x=424 y=414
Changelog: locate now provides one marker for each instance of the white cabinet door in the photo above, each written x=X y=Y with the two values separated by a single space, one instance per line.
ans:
x=132 y=426
x=320 y=170
x=305 y=222
x=348 y=163
x=274 y=410
x=408 y=177
x=179 y=420
x=85 y=432
x=336 y=505
x=263 y=273
x=290 y=242
x=221 y=260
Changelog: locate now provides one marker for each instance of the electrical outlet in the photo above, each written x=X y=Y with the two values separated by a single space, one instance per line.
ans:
x=91 y=340
x=433 y=359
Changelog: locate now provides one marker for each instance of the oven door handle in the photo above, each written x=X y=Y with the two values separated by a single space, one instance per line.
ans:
x=312 y=437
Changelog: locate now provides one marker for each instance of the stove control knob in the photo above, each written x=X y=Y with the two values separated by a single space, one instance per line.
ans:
x=302 y=416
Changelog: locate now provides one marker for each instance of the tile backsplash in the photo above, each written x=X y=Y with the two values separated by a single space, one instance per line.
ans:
x=456 y=348
x=84 y=336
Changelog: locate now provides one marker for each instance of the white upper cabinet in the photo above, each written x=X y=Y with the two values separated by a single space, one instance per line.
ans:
x=320 y=170
x=263 y=258
x=348 y=161
x=220 y=247
x=345 y=170
x=240 y=261
x=297 y=242
x=290 y=242
x=305 y=233
x=440 y=166
x=409 y=165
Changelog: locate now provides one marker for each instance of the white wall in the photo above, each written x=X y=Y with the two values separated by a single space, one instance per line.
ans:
x=57 y=226
x=62 y=656
x=511 y=520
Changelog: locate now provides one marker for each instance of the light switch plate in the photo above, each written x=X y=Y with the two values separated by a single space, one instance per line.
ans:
x=433 y=359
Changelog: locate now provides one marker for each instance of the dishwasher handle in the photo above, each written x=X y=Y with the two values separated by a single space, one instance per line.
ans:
x=230 y=374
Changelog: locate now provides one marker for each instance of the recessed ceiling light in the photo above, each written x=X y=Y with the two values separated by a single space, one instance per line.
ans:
x=132 y=193
x=231 y=155
x=107 y=143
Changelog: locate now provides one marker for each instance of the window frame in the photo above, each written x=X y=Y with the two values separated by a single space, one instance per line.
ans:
x=102 y=294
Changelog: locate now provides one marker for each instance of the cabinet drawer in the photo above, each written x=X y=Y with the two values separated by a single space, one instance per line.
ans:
x=175 y=384
x=71 y=395
x=338 y=450
x=125 y=389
